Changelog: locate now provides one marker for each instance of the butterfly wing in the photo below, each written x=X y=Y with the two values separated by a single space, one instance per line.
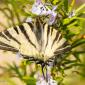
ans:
x=36 y=40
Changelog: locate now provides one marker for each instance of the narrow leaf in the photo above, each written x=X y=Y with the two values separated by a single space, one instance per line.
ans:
x=78 y=42
x=66 y=5
x=80 y=8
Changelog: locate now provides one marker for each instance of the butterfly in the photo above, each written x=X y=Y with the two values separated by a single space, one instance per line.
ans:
x=36 y=41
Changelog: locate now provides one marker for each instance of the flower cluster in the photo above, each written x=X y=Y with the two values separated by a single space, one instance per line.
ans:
x=40 y=8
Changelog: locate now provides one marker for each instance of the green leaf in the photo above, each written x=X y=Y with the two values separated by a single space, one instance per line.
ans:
x=80 y=8
x=65 y=5
x=73 y=65
x=29 y=80
x=69 y=35
x=78 y=42
x=78 y=52
x=75 y=29
x=71 y=5
x=68 y=21
x=55 y=1
x=80 y=73
x=24 y=2
x=76 y=56
x=69 y=61
x=15 y=69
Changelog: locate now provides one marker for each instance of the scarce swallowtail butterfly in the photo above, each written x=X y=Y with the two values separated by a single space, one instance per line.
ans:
x=36 y=41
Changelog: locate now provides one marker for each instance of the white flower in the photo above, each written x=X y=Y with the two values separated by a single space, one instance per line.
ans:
x=52 y=18
x=50 y=82
x=38 y=8
x=52 y=15
x=71 y=14
x=41 y=9
x=42 y=81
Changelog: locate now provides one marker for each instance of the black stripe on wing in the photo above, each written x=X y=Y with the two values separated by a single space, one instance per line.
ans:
x=56 y=37
x=2 y=35
x=31 y=26
x=65 y=44
x=64 y=48
x=38 y=30
x=6 y=47
x=4 y=44
x=51 y=31
x=32 y=59
x=26 y=35
x=10 y=36
x=48 y=32
x=16 y=30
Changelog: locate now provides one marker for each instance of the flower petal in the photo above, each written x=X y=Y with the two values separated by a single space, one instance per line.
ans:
x=38 y=1
x=38 y=8
x=52 y=18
